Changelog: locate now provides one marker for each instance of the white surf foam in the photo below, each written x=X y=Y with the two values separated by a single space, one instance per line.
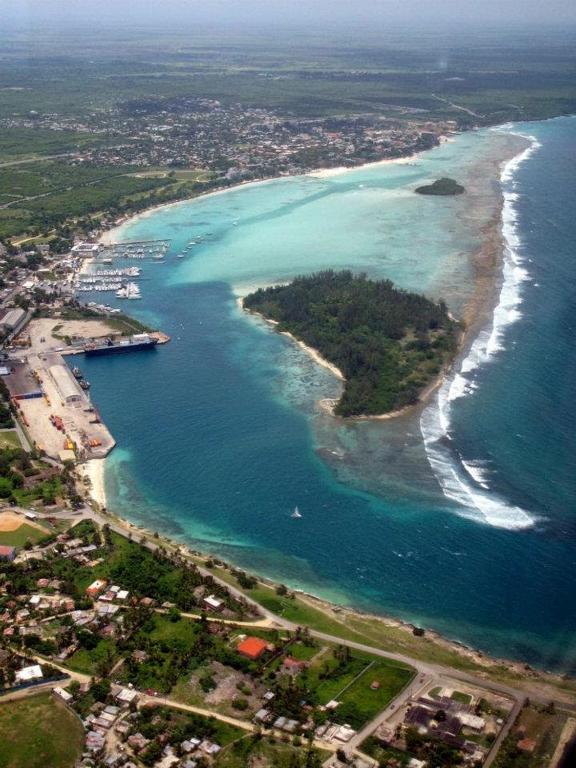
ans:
x=478 y=472
x=466 y=482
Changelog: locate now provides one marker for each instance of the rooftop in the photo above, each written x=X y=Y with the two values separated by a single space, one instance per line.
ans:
x=252 y=647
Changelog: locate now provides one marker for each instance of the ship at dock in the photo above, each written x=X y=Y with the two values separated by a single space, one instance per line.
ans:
x=140 y=341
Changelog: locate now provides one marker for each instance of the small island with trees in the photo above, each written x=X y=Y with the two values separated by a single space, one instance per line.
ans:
x=441 y=187
x=389 y=344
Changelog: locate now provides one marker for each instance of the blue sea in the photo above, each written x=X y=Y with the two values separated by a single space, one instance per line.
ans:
x=460 y=518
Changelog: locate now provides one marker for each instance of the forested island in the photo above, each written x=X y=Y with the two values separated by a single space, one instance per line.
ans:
x=441 y=187
x=388 y=343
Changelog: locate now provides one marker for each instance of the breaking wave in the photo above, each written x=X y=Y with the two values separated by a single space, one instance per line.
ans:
x=467 y=482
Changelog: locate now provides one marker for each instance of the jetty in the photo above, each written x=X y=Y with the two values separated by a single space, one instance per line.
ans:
x=51 y=399
x=133 y=249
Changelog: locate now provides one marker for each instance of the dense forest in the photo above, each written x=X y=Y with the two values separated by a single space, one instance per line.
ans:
x=388 y=343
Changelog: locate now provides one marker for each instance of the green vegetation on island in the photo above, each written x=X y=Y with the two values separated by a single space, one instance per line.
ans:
x=442 y=188
x=388 y=343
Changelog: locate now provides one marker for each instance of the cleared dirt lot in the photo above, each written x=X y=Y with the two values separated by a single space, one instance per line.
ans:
x=42 y=330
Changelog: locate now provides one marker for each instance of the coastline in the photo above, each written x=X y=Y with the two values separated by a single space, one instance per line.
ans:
x=492 y=307
x=397 y=633
x=94 y=471
x=313 y=353
x=487 y=262
x=107 y=236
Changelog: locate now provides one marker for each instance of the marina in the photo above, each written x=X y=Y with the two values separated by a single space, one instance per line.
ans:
x=154 y=250
x=93 y=277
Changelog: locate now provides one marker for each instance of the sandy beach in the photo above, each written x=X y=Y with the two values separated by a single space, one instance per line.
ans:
x=110 y=236
x=94 y=471
x=487 y=275
x=326 y=173
x=316 y=356
x=486 y=262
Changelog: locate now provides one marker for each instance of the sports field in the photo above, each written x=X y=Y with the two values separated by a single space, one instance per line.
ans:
x=38 y=732
x=15 y=531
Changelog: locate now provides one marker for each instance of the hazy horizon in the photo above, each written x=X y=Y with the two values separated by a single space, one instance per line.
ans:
x=517 y=14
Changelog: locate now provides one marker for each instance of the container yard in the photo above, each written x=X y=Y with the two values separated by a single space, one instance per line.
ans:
x=52 y=403
x=56 y=412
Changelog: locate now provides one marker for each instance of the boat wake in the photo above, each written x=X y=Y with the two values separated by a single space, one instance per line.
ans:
x=467 y=482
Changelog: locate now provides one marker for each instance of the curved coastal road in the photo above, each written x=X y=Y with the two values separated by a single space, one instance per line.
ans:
x=273 y=620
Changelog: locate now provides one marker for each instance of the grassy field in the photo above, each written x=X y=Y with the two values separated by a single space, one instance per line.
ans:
x=264 y=754
x=38 y=732
x=9 y=439
x=363 y=685
x=89 y=662
x=35 y=194
x=375 y=632
x=18 y=144
x=368 y=701
x=21 y=535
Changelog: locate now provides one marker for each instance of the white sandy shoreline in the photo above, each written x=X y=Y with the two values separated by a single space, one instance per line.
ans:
x=93 y=469
x=313 y=353
x=110 y=235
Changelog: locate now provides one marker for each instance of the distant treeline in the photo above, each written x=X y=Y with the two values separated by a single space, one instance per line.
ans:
x=388 y=343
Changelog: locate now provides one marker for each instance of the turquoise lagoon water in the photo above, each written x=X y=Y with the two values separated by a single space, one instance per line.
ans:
x=471 y=530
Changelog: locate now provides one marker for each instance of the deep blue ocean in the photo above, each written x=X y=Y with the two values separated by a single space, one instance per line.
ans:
x=218 y=436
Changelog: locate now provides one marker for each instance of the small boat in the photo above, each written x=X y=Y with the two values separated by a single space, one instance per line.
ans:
x=77 y=373
x=84 y=384
x=296 y=514
x=129 y=291
x=180 y=256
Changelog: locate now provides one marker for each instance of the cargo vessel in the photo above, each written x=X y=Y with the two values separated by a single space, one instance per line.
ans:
x=139 y=341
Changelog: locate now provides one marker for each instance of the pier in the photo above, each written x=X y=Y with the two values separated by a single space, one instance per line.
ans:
x=133 y=249
x=56 y=413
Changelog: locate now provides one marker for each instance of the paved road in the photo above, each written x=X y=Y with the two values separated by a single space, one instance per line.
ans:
x=425 y=672
x=502 y=735
x=243 y=724
x=422 y=668
x=257 y=623
x=33 y=690
x=414 y=689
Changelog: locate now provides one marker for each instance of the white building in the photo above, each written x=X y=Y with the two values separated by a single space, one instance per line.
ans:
x=12 y=319
x=86 y=249
x=66 y=384
x=127 y=696
x=471 y=721
x=213 y=603
x=27 y=674
x=66 y=696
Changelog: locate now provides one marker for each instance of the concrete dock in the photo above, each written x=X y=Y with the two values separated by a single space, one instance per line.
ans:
x=56 y=412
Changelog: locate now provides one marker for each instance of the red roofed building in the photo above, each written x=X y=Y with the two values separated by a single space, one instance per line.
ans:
x=7 y=553
x=252 y=647
x=292 y=665
x=526 y=745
